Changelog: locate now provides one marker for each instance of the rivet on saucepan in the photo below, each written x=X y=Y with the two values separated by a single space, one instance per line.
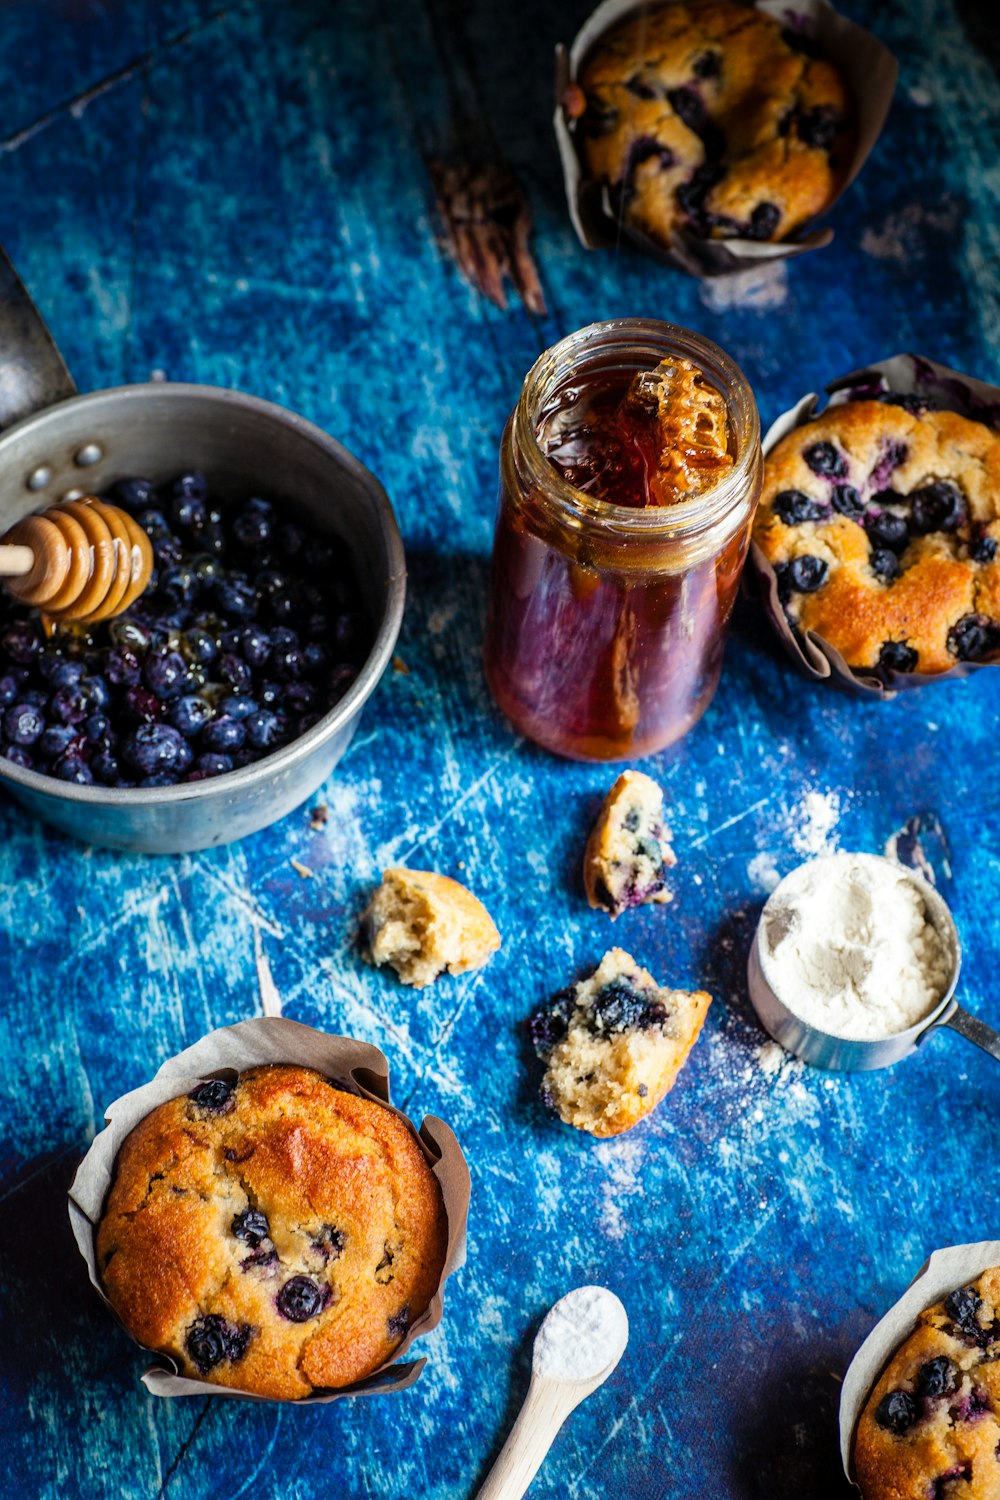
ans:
x=89 y=454
x=39 y=478
x=73 y=495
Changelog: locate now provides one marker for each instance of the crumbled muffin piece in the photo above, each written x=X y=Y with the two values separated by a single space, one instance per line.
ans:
x=421 y=923
x=711 y=118
x=883 y=526
x=931 y=1427
x=273 y=1233
x=627 y=854
x=613 y=1044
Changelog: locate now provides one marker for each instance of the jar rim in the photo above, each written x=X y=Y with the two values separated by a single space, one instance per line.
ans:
x=658 y=339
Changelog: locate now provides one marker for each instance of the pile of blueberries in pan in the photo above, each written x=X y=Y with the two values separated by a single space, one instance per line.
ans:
x=250 y=630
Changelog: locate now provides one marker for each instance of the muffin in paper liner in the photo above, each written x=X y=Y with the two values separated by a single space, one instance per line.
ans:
x=945 y=1270
x=354 y=1066
x=902 y=374
x=867 y=65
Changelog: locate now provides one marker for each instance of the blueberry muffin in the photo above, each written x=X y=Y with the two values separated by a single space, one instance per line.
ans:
x=421 y=923
x=711 y=118
x=931 y=1426
x=882 y=522
x=627 y=854
x=613 y=1045
x=275 y=1233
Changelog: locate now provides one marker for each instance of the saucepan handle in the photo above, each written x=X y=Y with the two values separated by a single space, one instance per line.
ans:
x=32 y=372
x=972 y=1029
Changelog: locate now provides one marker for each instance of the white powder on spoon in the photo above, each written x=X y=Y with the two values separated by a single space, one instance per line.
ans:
x=583 y=1335
x=847 y=945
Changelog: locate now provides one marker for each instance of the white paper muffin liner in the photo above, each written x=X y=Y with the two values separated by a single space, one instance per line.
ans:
x=354 y=1066
x=868 y=67
x=942 y=1273
x=904 y=375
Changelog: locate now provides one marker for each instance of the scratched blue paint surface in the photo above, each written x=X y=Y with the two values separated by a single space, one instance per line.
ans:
x=237 y=194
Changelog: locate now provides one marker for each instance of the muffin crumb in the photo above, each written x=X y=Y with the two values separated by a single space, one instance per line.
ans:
x=421 y=924
x=627 y=854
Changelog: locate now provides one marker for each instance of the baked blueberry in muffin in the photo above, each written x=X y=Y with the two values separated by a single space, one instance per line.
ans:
x=613 y=1044
x=711 y=118
x=882 y=523
x=272 y=1232
x=627 y=854
x=931 y=1426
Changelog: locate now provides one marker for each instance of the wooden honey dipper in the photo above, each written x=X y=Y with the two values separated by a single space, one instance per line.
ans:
x=83 y=561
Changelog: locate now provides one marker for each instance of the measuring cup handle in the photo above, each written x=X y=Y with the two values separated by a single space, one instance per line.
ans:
x=32 y=372
x=972 y=1029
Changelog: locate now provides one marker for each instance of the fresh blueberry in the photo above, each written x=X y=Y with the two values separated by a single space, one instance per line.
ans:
x=58 y=670
x=264 y=730
x=97 y=728
x=972 y=638
x=235 y=671
x=57 y=739
x=237 y=707
x=285 y=607
x=888 y=531
x=315 y=657
x=939 y=506
x=106 y=767
x=255 y=643
x=794 y=507
x=71 y=768
x=193 y=482
x=215 y=1095
x=141 y=706
x=287 y=662
x=254 y=525
x=134 y=494
x=251 y=1227
x=236 y=597
x=20 y=642
x=213 y=764
x=896 y=1412
x=352 y=635
x=885 y=565
x=165 y=672
x=37 y=697
x=122 y=667
x=198 y=647
x=212 y=1340
x=847 y=501
x=23 y=724
x=938 y=1377
x=96 y=693
x=18 y=756
x=300 y=697
x=342 y=677
x=291 y=539
x=179 y=584
x=897 y=656
x=168 y=551
x=823 y=458
x=270 y=694
x=301 y=1299
x=189 y=714
x=223 y=735
x=157 y=748
x=806 y=574
x=8 y=690
x=154 y=523
x=130 y=633
x=983 y=549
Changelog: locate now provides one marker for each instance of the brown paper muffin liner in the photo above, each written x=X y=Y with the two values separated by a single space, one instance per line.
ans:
x=352 y=1065
x=903 y=375
x=942 y=1273
x=868 y=66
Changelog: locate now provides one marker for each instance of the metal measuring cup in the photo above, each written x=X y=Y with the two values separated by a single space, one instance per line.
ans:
x=847 y=1054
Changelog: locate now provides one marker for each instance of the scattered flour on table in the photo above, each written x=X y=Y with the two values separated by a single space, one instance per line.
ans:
x=848 y=946
x=814 y=823
x=623 y=1160
x=762 y=872
x=582 y=1335
x=760 y=289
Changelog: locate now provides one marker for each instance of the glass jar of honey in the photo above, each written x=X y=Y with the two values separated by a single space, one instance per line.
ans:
x=629 y=474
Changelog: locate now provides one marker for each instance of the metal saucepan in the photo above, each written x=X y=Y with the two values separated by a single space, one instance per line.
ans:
x=55 y=443
x=846 y=1054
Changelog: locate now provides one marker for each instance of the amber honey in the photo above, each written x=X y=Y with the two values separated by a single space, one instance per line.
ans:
x=619 y=542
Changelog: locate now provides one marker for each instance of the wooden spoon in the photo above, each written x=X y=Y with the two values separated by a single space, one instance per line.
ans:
x=578 y=1345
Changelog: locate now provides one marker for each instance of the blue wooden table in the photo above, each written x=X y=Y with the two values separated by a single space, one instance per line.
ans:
x=238 y=194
